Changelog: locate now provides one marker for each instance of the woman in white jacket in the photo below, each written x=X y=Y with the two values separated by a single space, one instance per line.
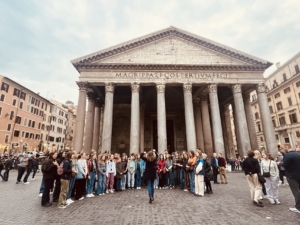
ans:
x=269 y=170
x=110 y=174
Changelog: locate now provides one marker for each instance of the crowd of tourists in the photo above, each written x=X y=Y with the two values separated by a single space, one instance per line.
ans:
x=67 y=174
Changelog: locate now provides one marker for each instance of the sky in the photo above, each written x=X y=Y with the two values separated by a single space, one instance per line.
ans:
x=39 y=38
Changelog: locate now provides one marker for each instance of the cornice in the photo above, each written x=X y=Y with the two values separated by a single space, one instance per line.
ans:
x=172 y=31
x=111 y=66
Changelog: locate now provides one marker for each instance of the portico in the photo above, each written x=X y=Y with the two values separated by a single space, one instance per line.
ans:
x=165 y=90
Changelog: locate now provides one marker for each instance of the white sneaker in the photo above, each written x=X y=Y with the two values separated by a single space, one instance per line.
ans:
x=265 y=196
x=185 y=190
x=69 y=201
x=41 y=194
x=61 y=207
x=26 y=182
x=111 y=191
x=89 y=196
x=294 y=210
x=32 y=178
x=103 y=194
x=277 y=202
x=107 y=191
x=272 y=202
x=81 y=198
x=92 y=195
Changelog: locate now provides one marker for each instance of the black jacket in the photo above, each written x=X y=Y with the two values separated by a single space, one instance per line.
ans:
x=291 y=164
x=67 y=174
x=251 y=166
x=8 y=164
x=151 y=167
x=49 y=170
x=213 y=162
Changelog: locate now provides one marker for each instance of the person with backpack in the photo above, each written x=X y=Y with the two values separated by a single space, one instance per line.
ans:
x=60 y=158
x=65 y=171
x=49 y=168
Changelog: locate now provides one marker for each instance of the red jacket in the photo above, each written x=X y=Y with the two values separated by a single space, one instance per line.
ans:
x=161 y=166
x=89 y=166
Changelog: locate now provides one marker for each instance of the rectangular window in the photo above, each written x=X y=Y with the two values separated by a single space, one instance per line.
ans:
x=14 y=102
x=0 y=111
x=269 y=99
x=37 y=137
x=11 y=115
x=28 y=108
x=256 y=115
x=39 y=127
x=276 y=137
x=42 y=105
x=282 y=120
x=18 y=120
x=33 y=124
x=16 y=133
x=297 y=69
x=2 y=97
x=293 y=118
x=284 y=77
x=25 y=122
x=261 y=139
x=46 y=107
x=32 y=100
x=29 y=99
x=4 y=87
x=31 y=136
x=287 y=90
x=298 y=134
x=27 y=135
x=258 y=127
x=23 y=133
x=29 y=123
x=32 y=110
x=279 y=106
x=274 y=123
x=6 y=139
x=23 y=95
x=290 y=101
x=16 y=92
x=298 y=84
x=271 y=109
x=21 y=105
x=277 y=95
x=8 y=127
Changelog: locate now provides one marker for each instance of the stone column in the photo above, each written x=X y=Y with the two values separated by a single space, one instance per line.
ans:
x=241 y=118
x=142 y=118
x=80 y=117
x=229 y=130
x=237 y=134
x=161 y=118
x=208 y=145
x=89 y=126
x=250 y=122
x=189 y=117
x=108 y=117
x=198 y=124
x=216 y=119
x=266 y=120
x=225 y=136
x=291 y=139
x=96 y=133
x=135 y=119
x=101 y=128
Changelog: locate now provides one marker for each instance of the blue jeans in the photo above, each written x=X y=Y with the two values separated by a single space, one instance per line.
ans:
x=118 y=184
x=181 y=178
x=123 y=181
x=130 y=180
x=150 y=186
x=170 y=179
x=138 y=178
x=27 y=175
x=192 y=181
x=156 y=181
x=71 y=185
x=101 y=183
x=42 y=187
x=90 y=183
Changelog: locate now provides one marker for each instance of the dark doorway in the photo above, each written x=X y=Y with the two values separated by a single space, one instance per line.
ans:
x=170 y=135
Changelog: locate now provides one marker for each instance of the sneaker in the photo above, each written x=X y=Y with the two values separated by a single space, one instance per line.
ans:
x=47 y=205
x=69 y=201
x=272 y=202
x=265 y=196
x=277 y=202
x=294 y=210
x=40 y=194
x=257 y=204
x=111 y=191
x=32 y=178
x=81 y=198
x=160 y=188
x=51 y=192
x=170 y=187
x=61 y=207
x=185 y=190
x=92 y=195
x=107 y=191
x=26 y=182
x=89 y=196
x=279 y=183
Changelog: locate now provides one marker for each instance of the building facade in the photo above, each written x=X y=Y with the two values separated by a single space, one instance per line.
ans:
x=283 y=97
x=169 y=90
x=22 y=117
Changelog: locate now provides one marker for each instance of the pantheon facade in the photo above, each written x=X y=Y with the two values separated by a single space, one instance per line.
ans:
x=170 y=90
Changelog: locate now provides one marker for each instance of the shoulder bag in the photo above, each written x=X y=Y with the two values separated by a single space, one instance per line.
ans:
x=267 y=174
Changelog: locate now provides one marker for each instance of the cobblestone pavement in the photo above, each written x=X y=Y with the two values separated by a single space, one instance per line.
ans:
x=229 y=204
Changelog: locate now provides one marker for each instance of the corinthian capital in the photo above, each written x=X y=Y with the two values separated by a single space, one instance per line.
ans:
x=187 y=88
x=83 y=86
x=109 y=87
x=261 y=88
x=160 y=88
x=212 y=88
x=135 y=87
x=236 y=88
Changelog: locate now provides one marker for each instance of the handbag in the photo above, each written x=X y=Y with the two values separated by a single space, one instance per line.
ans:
x=261 y=179
x=210 y=175
x=267 y=174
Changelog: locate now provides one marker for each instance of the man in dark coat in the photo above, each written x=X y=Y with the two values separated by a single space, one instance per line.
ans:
x=215 y=165
x=8 y=166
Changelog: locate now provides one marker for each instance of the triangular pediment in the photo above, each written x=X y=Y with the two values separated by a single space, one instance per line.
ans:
x=171 y=46
x=171 y=50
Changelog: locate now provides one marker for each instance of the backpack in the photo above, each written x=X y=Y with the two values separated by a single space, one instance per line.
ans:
x=60 y=169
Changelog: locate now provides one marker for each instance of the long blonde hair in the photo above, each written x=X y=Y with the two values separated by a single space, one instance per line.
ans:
x=257 y=155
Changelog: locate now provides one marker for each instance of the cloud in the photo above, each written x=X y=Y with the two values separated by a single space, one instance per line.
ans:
x=39 y=38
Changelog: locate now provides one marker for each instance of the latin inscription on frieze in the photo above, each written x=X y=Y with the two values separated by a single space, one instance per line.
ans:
x=172 y=75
